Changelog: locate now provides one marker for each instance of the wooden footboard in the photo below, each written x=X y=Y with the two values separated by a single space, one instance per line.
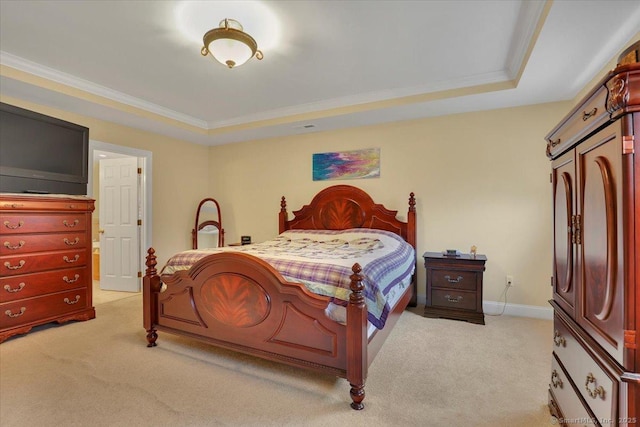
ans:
x=237 y=301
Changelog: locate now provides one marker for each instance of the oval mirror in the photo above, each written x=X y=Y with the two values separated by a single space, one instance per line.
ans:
x=208 y=231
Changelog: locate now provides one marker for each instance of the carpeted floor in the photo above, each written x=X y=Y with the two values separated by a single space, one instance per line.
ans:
x=430 y=372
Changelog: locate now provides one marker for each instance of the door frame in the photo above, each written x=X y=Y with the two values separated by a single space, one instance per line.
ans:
x=145 y=160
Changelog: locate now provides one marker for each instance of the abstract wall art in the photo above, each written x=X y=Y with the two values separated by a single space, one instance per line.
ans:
x=347 y=165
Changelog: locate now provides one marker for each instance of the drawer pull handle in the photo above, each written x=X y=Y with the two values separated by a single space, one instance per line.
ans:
x=13 y=205
x=75 y=279
x=14 y=315
x=15 y=267
x=68 y=301
x=14 y=290
x=14 y=247
x=558 y=339
x=13 y=227
x=69 y=243
x=450 y=299
x=555 y=379
x=75 y=258
x=586 y=116
x=456 y=280
x=75 y=222
x=598 y=391
x=556 y=142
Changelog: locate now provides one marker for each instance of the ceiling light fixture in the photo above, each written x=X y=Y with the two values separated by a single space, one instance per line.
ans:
x=229 y=45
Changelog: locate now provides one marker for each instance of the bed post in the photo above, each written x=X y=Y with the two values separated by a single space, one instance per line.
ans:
x=283 y=217
x=150 y=287
x=357 y=340
x=412 y=240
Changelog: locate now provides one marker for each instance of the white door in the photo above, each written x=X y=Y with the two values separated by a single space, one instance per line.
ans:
x=119 y=229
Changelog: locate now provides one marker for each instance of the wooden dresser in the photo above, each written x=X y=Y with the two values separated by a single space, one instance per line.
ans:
x=45 y=261
x=595 y=379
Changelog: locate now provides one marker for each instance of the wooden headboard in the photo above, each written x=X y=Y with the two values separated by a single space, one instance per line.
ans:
x=343 y=206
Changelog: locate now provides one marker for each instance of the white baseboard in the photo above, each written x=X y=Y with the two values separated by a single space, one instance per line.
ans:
x=520 y=310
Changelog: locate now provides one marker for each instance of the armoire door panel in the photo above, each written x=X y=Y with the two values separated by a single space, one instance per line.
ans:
x=564 y=211
x=602 y=293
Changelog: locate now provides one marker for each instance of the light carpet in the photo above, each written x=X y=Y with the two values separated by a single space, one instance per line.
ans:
x=430 y=372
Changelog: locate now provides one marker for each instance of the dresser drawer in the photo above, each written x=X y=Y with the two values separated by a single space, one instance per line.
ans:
x=13 y=288
x=453 y=279
x=18 y=223
x=452 y=298
x=31 y=263
x=42 y=308
x=573 y=411
x=46 y=204
x=585 y=119
x=597 y=387
x=23 y=243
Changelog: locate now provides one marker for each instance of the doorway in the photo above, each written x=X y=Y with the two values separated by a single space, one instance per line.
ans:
x=107 y=287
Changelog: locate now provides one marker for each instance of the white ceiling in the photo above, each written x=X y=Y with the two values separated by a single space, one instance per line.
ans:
x=335 y=64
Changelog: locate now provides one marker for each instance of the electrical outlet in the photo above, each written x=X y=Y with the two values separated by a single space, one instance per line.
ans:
x=509 y=281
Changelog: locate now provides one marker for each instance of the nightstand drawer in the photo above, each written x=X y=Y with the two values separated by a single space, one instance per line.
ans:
x=453 y=299
x=453 y=279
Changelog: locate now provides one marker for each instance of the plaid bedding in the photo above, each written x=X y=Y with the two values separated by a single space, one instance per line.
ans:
x=322 y=261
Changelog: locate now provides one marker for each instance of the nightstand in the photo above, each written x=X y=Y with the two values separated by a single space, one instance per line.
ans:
x=454 y=286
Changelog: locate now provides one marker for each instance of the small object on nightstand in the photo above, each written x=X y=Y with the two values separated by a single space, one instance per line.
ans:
x=452 y=252
x=454 y=286
x=473 y=251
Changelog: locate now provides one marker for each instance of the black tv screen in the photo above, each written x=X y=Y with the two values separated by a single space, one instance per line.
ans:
x=41 y=154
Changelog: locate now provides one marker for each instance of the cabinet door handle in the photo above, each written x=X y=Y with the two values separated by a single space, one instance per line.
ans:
x=13 y=315
x=558 y=339
x=555 y=379
x=70 y=243
x=13 y=227
x=67 y=224
x=15 y=267
x=66 y=258
x=14 y=247
x=456 y=280
x=450 y=299
x=14 y=290
x=598 y=391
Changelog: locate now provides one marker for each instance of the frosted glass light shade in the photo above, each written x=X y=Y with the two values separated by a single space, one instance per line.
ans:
x=229 y=45
x=229 y=51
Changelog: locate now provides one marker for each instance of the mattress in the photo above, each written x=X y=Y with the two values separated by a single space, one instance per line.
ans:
x=322 y=261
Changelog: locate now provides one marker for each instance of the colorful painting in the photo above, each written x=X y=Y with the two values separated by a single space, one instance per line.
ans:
x=347 y=165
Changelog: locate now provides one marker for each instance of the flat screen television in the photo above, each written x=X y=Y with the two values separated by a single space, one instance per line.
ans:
x=41 y=154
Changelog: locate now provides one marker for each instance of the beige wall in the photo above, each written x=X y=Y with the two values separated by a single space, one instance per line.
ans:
x=480 y=179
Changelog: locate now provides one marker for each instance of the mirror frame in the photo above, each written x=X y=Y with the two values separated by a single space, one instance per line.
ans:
x=199 y=226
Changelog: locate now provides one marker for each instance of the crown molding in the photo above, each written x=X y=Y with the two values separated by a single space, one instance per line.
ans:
x=26 y=66
x=530 y=22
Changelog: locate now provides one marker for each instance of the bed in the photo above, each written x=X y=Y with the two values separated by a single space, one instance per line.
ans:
x=235 y=299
